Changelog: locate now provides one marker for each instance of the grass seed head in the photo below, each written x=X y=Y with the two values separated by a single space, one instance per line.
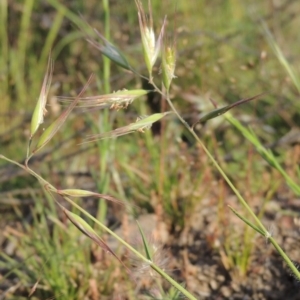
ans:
x=151 y=47
x=144 y=128
x=168 y=64
x=159 y=257
x=116 y=100
x=40 y=108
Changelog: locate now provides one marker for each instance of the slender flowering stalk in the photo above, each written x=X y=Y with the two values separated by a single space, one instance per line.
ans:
x=151 y=46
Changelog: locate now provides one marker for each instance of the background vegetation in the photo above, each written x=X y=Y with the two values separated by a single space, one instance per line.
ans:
x=226 y=51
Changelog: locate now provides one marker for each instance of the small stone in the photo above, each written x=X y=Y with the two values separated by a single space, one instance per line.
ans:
x=226 y=292
x=213 y=284
x=220 y=278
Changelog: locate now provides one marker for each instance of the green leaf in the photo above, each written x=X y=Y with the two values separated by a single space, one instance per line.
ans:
x=247 y=221
x=145 y=243
x=220 y=111
x=110 y=51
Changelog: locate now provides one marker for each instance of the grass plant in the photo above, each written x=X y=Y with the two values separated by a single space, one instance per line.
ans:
x=55 y=264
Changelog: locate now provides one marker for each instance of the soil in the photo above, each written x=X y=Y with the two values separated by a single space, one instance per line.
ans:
x=198 y=258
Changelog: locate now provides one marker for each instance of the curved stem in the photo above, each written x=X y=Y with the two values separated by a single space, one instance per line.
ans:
x=232 y=186
x=50 y=188
x=214 y=161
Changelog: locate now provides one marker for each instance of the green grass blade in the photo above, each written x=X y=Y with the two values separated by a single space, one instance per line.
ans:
x=220 y=111
x=145 y=242
x=53 y=33
x=247 y=221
